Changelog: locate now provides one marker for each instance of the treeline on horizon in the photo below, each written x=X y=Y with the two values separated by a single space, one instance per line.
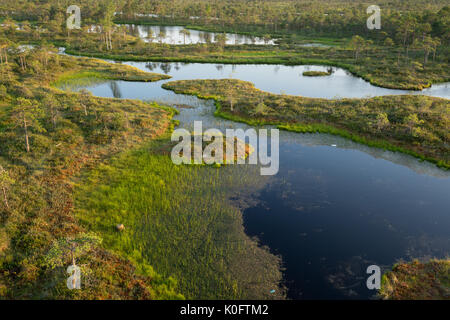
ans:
x=403 y=21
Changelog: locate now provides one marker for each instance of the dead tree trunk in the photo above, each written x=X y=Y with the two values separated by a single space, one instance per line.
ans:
x=25 y=126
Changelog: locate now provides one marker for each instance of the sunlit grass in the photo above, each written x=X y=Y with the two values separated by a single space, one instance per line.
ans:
x=180 y=220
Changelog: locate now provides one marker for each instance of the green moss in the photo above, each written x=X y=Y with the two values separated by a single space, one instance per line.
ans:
x=316 y=73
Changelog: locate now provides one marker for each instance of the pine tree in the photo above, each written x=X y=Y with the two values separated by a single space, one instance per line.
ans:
x=26 y=115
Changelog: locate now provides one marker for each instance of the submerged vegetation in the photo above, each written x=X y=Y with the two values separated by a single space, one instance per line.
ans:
x=417 y=125
x=180 y=220
x=417 y=281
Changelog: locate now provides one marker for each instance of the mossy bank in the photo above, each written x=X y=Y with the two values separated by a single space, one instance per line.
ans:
x=416 y=125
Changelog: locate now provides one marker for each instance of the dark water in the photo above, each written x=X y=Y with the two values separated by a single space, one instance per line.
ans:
x=330 y=213
x=335 y=207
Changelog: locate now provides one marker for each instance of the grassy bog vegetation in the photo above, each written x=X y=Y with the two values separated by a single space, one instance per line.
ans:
x=47 y=137
x=417 y=125
x=182 y=238
x=179 y=219
x=417 y=281
x=316 y=73
x=405 y=73
x=99 y=69
x=72 y=164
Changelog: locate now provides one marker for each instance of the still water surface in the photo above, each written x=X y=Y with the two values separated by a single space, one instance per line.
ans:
x=173 y=35
x=336 y=206
x=272 y=78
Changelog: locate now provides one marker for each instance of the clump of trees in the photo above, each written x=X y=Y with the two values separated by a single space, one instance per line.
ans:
x=185 y=33
x=403 y=21
x=359 y=44
x=107 y=23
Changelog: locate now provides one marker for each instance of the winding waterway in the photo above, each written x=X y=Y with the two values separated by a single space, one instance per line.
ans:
x=336 y=206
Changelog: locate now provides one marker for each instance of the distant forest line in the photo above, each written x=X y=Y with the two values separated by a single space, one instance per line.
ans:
x=403 y=21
